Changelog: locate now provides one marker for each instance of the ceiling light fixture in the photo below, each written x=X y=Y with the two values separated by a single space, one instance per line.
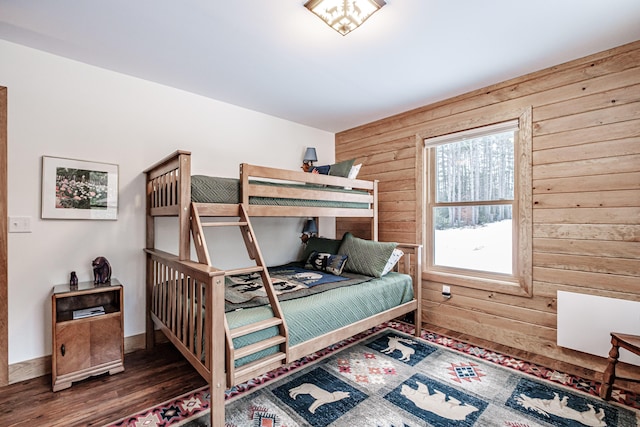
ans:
x=344 y=16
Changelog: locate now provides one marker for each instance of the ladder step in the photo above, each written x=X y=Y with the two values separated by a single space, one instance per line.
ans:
x=224 y=224
x=246 y=270
x=254 y=327
x=257 y=367
x=259 y=346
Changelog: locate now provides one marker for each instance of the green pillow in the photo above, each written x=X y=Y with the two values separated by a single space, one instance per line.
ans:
x=365 y=256
x=321 y=245
x=342 y=168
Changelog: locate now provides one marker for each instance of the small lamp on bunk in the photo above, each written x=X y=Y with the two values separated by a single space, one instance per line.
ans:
x=309 y=157
x=309 y=230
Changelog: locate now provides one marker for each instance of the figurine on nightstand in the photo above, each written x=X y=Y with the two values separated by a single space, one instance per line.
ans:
x=101 y=270
x=73 y=281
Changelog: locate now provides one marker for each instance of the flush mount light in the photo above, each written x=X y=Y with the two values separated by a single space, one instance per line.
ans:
x=344 y=16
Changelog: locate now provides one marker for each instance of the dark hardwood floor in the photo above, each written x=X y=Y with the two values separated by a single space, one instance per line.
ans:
x=151 y=378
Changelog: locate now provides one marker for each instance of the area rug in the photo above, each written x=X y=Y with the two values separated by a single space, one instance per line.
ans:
x=387 y=377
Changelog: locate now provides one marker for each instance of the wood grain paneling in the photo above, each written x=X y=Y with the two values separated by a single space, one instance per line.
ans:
x=614 y=148
x=626 y=233
x=618 y=181
x=586 y=193
x=4 y=285
x=602 y=133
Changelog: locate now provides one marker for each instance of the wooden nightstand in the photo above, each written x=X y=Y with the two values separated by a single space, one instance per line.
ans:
x=86 y=346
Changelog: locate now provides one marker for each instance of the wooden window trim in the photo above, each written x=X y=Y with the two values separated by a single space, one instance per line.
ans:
x=4 y=260
x=520 y=282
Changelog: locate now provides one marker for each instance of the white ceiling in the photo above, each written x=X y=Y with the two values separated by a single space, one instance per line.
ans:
x=276 y=57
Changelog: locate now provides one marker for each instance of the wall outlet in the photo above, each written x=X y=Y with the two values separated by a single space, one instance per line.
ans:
x=446 y=291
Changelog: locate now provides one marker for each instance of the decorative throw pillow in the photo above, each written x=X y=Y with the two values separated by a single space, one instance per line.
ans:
x=321 y=244
x=366 y=256
x=393 y=260
x=353 y=173
x=342 y=168
x=324 y=170
x=326 y=262
x=355 y=169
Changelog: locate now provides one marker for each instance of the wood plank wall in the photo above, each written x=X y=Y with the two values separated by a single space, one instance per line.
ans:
x=586 y=194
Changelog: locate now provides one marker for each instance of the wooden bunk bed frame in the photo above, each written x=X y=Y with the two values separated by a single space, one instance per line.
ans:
x=175 y=283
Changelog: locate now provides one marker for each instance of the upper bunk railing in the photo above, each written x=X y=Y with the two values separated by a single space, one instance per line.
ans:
x=169 y=194
x=309 y=187
x=165 y=186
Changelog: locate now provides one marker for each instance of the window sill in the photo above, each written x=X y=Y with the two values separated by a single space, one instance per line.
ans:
x=508 y=285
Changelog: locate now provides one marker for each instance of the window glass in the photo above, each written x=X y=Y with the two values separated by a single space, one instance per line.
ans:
x=476 y=169
x=474 y=184
x=485 y=247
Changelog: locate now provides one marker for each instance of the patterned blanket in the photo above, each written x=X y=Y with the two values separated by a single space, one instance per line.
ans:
x=290 y=281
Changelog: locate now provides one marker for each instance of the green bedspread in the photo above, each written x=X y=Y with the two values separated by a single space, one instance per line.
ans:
x=317 y=314
x=208 y=189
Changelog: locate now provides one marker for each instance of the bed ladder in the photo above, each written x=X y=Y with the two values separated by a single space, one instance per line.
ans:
x=266 y=363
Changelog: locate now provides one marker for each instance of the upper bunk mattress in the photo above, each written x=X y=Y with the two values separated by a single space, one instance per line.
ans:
x=210 y=189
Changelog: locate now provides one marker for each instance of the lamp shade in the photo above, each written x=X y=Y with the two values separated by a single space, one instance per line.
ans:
x=310 y=226
x=310 y=155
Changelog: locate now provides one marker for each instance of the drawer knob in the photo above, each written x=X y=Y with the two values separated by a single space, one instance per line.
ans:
x=63 y=350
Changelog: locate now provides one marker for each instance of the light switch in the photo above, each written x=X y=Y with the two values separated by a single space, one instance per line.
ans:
x=19 y=224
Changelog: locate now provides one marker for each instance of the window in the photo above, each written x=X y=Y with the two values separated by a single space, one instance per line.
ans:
x=478 y=191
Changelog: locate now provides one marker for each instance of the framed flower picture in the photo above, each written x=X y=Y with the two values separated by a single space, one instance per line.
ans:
x=78 y=189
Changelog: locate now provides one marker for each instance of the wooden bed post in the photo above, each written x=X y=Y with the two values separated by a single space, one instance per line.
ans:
x=184 y=194
x=244 y=185
x=216 y=350
x=150 y=340
x=374 y=220
x=417 y=290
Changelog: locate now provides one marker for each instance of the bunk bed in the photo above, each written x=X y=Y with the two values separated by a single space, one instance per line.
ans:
x=186 y=299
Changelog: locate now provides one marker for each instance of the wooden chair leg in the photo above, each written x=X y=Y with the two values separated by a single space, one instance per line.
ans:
x=610 y=373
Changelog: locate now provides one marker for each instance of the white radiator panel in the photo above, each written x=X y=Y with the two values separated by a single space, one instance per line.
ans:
x=585 y=321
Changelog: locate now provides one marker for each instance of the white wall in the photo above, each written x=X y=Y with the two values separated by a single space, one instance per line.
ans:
x=58 y=107
x=585 y=322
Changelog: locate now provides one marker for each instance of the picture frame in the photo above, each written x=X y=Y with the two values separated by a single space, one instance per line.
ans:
x=79 y=189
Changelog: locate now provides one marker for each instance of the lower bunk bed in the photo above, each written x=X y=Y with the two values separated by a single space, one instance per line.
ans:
x=188 y=302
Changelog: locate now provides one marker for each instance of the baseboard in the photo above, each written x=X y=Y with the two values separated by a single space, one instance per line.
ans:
x=41 y=366
x=28 y=369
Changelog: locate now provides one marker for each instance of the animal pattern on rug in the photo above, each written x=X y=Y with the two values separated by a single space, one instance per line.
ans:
x=364 y=383
x=319 y=397
x=547 y=403
x=402 y=348
x=438 y=388
x=435 y=402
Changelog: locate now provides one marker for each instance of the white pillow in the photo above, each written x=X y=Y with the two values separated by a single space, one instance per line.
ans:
x=353 y=173
x=393 y=260
x=355 y=169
